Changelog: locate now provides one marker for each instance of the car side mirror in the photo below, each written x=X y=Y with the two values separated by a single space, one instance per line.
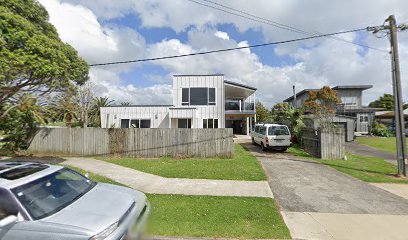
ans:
x=8 y=220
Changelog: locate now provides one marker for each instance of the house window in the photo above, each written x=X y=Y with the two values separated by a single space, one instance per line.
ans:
x=135 y=123
x=185 y=96
x=210 y=123
x=184 y=123
x=363 y=119
x=124 y=123
x=198 y=96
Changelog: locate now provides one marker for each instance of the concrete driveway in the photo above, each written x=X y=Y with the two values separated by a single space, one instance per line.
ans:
x=318 y=202
x=359 y=149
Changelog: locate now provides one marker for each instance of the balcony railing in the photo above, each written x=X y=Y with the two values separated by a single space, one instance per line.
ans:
x=239 y=106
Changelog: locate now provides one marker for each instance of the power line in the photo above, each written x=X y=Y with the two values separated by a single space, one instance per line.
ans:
x=228 y=49
x=255 y=18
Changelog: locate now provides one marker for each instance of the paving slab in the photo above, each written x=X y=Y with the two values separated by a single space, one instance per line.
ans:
x=394 y=188
x=150 y=183
x=312 y=225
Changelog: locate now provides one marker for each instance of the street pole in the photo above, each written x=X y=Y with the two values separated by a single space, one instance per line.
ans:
x=398 y=113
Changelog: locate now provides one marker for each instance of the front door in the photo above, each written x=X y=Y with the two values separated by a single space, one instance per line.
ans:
x=237 y=126
x=362 y=123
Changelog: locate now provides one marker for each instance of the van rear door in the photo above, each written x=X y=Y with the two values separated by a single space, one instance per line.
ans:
x=279 y=136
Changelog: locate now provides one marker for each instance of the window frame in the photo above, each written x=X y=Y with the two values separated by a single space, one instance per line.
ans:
x=206 y=123
x=209 y=103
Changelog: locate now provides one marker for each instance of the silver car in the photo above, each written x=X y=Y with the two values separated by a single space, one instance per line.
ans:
x=47 y=202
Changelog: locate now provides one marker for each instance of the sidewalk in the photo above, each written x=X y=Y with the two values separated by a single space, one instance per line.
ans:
x=150 y=183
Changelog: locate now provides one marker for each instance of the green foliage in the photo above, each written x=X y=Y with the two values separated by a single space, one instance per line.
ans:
x=284 y=113
x=95 y=113
x=322 y=104
x=379 y=129
x=386 y=102
x=18 y=124
x=32 y=57
x=262 y=113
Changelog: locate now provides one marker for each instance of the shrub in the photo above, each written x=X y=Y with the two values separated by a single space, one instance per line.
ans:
x=379 y=129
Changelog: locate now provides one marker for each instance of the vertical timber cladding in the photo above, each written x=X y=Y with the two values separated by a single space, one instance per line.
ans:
x=332 y=143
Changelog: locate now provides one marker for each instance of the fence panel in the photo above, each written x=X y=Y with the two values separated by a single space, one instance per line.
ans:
x=326 y=143
x=154 y=142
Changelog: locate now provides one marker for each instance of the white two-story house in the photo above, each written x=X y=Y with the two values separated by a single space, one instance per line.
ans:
x=199 y=101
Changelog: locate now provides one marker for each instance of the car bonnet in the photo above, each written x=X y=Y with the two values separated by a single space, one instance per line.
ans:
x=96 y=210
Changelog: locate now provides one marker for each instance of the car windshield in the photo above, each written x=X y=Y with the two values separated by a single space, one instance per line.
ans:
x=278 y=130
x=48 y=195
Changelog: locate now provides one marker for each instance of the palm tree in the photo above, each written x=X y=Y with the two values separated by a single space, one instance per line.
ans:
x=95 y=113
x=64 y=108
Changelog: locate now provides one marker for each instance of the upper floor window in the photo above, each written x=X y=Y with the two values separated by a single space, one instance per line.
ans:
x=198 y=96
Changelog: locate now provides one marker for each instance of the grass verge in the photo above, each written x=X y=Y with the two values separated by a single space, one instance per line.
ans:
x=365 y=168
x=243 y=166
x=93 y=176
x=209 y=216
x=387 y=144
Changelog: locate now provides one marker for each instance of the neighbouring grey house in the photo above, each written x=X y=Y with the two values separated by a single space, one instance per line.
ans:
x=199 y=101
x=350 y=113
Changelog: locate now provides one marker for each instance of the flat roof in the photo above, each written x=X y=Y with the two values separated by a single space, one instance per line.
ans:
x=362 y=87
x=239 y=85
x=300 y=93
x=144 y=105
x=196 y=75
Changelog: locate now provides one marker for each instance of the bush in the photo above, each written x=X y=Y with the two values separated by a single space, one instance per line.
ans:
x=380 y=130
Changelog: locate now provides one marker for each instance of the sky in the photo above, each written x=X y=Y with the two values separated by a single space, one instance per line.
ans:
x=119 y=30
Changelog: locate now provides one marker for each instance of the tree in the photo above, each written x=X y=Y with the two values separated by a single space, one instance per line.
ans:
x=64 y=108
x=284 y=113
x=322 y=104
x=386 y=102
x=83 y=101
x=262 y=113
x=95 y=113
x=33 y=60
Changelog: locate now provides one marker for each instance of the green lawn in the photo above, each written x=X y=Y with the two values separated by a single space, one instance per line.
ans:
x=94 y=177
x=207 y=216
x=243 y=166
x=387 y=144
x=368 y=169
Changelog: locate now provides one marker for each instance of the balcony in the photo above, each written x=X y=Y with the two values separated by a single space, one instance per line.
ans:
x=238 y=106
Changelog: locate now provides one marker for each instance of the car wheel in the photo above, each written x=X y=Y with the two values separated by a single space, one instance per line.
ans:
x=253 y=141
x=263 y=148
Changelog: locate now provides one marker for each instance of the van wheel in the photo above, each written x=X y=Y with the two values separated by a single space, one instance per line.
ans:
x=283 y=149
x=263 y=148
x=253 y=141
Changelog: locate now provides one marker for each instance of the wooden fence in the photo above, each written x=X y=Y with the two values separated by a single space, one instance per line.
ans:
x=133 y=142
x=325 y=143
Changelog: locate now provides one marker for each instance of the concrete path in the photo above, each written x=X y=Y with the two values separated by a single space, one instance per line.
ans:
x=150 y=183
x=359 y=149
x=397 y=189
x=318 y=202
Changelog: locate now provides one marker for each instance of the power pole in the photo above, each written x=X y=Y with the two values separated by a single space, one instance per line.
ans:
x=392 y=30
x=399 y=112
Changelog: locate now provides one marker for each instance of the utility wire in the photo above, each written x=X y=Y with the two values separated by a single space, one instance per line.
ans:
x=255 y=18
x=228 y=49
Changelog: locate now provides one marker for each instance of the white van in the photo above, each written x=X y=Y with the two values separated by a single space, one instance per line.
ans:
x=271 y=136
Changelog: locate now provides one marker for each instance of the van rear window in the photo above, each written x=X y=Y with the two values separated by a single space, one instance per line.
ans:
x=278 y=130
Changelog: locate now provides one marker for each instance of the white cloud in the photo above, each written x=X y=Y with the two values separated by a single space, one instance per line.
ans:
x=318 y=62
